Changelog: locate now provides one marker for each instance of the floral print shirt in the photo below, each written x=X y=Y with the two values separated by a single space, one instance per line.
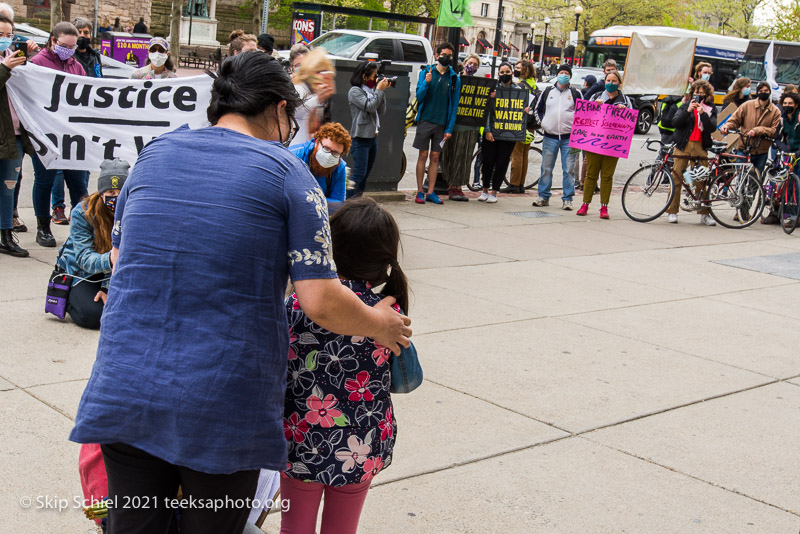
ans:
x=338 y=416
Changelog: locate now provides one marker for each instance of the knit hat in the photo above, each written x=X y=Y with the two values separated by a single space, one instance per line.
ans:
x=590 y=79
x=267 y=42
x=113 y=173
x=566 y=68
x=160 y=41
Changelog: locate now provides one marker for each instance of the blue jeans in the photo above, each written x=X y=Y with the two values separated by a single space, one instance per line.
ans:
x=364 y=151
x=550 y=149
x=9 y=174
x=43 y=185
x=58 y=191
x=758 y=161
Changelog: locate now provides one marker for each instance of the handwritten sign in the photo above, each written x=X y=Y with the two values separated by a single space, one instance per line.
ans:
x=474 y=100
x=508 y=118
x=603 y=129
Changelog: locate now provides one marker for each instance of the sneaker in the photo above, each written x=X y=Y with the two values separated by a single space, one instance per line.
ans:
x=566 y=205
x=707 y=220
x=541 y=202
x=583 y=210
x=770 y=219
x=492 y=199
x=19 y=225
x=456 y=194
x=604 y=212
x=433 y=197
x=477 y=185
x=672 y=218
x=59 y=217
x=420 y=198
x=484 y=197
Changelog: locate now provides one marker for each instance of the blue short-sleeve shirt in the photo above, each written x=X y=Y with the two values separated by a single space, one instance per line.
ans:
x=191 y=364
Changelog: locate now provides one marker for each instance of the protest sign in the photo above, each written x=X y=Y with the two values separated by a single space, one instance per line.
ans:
x=603 y=129
x=722 y=118
x=508 y=118
x=474 y=100
x=658 y=64
x=75 y=122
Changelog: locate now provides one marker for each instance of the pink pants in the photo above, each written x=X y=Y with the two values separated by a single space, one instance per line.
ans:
x=340 y=514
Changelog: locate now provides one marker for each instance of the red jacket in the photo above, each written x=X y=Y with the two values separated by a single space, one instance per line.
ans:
x=48 y=58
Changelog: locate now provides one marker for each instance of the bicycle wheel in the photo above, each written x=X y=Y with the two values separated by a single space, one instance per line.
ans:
x=475 y=165
x=648 y=193
x=534 y=167
x=790 y=200
x=736 y=198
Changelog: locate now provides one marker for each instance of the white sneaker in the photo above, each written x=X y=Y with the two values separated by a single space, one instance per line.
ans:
x=492 y=199
x=566 y=205
x=484 y=197
x=707 y=220
x=673 y=218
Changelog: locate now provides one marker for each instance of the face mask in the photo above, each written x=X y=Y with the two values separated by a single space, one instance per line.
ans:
x=705 y=77
x=5 y=42
x=63 y=52
x=517 y=74
x=326 y=159
x=470 y=69
x=788 y=109
x=563 y=79
x=371 y=83
x=444 y=61
x=505 y=78
x=111 y=203
x=157 y=59
x=763 y=96
x=746 y=91
x=83 y=43
x=612 y=87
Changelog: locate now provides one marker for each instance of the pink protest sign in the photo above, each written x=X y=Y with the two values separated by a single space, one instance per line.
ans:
x=603 y=129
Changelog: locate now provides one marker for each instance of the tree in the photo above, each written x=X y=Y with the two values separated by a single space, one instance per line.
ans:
x=786 y=23
x=56 y=13
x=175 y=29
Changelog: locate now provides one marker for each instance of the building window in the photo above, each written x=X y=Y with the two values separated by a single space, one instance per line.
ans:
x=484 y=10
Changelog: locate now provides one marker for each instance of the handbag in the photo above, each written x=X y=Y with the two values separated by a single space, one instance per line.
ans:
x=58 y=293
x=406 y=371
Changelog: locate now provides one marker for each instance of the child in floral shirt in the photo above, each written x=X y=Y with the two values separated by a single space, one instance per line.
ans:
x=338 y=415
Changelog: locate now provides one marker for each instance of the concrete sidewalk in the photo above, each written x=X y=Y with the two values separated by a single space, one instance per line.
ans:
x=581 y=375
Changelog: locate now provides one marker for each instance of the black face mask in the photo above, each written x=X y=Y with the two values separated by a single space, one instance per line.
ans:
x=505 y=78
x=444 y=61
x=763 y=96
x=788 y=109
x=83 y=43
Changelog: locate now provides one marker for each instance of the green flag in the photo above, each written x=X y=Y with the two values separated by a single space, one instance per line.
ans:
x=454 y=14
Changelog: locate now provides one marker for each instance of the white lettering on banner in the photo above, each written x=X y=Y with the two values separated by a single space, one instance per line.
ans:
x=304 y=25
x=75 y=122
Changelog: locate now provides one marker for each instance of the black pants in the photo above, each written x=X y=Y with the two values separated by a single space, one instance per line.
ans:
x=139 y=483
x=496 y=157
x=82 y=308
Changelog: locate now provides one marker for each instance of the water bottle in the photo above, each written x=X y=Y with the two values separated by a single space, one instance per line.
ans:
x=688 y=179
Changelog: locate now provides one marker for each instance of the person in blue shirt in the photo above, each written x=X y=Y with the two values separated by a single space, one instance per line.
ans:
x=438 y=91
x=323 y=155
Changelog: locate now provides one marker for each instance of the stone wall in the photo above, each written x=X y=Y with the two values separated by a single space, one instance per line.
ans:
x=128 y=11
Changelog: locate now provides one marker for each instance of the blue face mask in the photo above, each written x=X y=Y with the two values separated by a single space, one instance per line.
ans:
x=705 y=77
x=746 y=91
x=563 y=79
x=612 y=87
x=5 y=42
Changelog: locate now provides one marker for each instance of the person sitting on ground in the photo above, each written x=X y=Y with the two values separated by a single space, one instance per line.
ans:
x=756 y=118
x=159 y=64
x=694 y=121
x=241 y=42
x=323 y=155
x=88 y=57
x=86 y=254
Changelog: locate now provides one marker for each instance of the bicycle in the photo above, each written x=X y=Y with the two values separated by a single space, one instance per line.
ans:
x=729 y=187
x=531 y=176
x=782 y=188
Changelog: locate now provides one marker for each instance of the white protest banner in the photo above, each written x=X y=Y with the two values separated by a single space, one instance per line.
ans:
x=75 y=122
x=658 y=64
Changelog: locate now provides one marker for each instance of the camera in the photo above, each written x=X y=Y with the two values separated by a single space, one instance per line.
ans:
x=381 y=76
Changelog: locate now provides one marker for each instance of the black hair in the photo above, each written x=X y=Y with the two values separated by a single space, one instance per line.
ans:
x=444 y=46
x=364 y=70
x=248 y=84
x=763 y=84
x=793 y=96
x=366 y=243
x=505 y=64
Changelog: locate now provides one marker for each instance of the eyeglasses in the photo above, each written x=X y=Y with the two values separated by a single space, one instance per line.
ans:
x=292 y=131
x=73 y=47
x=330 y=151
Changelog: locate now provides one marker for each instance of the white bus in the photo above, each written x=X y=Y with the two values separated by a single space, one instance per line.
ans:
x=786 y=56
x=723 y=52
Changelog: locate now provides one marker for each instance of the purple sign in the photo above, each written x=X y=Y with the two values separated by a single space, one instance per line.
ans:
x=105 y=47
x=130 y=50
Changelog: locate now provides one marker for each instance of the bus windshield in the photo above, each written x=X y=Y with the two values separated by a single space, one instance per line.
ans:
x=787 y=70
x=597 y=51
x=339 y=44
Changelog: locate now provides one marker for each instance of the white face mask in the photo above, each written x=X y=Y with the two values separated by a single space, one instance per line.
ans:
x=326 y=159
x=157 y=59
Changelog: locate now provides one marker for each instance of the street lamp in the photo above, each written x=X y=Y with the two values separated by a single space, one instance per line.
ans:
x=541 y=50
x=578 y=13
